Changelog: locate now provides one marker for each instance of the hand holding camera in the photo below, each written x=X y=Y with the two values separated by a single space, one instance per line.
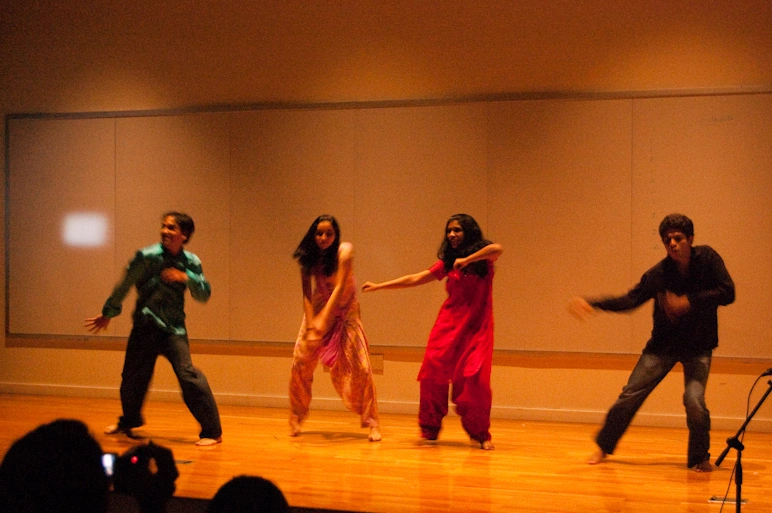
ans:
x=146 y=472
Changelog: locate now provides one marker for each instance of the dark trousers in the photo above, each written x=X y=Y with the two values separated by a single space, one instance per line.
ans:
x=650 y=370
x=144 y=346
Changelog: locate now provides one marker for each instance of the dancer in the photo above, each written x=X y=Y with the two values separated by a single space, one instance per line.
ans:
x=331 y=329
x=460 y=346
x=161 y=273
x=687 y=287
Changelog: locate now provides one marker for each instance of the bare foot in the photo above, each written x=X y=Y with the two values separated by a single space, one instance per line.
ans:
x=487 y=445
x=294 y=427
x=115 y=429
x=598 y=456
x=208 y=442
x=375 y=435
x=704 y=466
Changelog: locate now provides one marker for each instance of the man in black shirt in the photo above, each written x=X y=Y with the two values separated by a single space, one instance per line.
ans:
x=687 y=286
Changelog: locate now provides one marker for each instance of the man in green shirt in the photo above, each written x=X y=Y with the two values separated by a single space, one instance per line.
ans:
x=161 y=272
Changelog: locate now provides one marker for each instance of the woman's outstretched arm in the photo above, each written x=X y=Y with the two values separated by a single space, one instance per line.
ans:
x=409 y=280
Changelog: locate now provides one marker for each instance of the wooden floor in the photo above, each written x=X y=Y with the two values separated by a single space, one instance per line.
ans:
x=536 y=466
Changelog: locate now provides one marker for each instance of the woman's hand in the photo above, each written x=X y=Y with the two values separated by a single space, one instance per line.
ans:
x=460 y=263
x=369 y=286
x=313 y=334
x=315 y=329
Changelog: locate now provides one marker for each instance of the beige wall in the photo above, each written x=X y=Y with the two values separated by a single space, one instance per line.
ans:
x=113 y=58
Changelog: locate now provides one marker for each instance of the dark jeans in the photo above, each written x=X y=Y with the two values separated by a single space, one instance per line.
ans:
x=647 y=374
x=144 y=346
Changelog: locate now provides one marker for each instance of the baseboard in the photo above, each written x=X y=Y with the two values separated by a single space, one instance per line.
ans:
x=399 y=407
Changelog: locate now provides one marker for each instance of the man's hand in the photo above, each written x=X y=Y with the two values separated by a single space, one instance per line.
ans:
x=580 y=308
x=147 y=472
x=675 y=306
x=97 y=324
x=172 y=274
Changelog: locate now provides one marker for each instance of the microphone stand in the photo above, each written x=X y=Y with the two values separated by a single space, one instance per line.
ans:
x=734 y=443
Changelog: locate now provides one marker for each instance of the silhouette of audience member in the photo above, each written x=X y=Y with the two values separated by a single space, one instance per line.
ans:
x=56 y=467
x=146 y=472
x=248 y=494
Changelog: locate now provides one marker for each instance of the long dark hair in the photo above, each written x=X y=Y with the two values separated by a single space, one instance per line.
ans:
x=473 y=241
x=308 y=253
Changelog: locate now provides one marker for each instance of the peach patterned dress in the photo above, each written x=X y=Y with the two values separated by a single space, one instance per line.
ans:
x=344 y=349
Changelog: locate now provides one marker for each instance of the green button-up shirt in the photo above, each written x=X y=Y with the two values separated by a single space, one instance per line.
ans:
x=159 y=302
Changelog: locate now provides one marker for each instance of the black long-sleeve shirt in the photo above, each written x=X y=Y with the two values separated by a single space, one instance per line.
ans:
x=707 y=285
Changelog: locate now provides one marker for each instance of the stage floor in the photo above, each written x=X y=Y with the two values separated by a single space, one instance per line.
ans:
x=536 y=466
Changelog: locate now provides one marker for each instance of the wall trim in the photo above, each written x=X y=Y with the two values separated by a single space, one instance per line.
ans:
x=400 y=407
x=501 y=358
x=406 y=102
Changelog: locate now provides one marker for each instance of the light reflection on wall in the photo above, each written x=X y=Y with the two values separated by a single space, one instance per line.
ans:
x=84 y=229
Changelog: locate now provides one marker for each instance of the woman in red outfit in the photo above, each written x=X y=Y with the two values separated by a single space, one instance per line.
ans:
x=460 y=346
